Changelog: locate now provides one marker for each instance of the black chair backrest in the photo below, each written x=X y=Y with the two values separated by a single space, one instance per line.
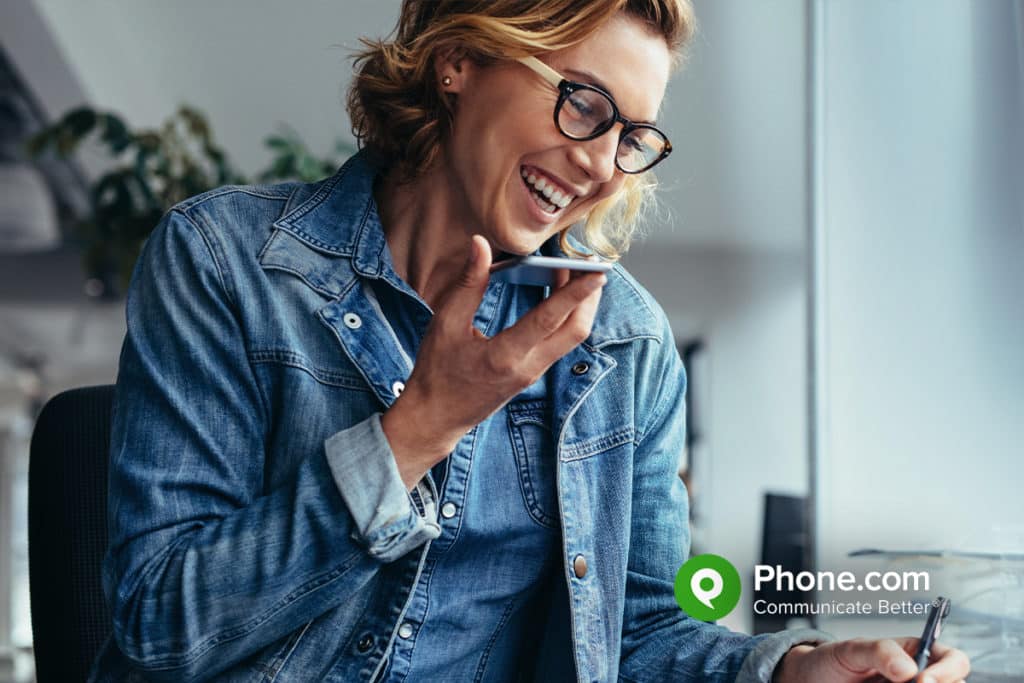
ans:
x=67 y=532
x=784 y=542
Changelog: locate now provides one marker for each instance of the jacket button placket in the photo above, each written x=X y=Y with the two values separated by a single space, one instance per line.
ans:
x=579 y=566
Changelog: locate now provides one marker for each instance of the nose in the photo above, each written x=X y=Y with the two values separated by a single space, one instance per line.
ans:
x=597 y=157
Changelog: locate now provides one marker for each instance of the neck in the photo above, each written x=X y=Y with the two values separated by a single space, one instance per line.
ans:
x=428 y=237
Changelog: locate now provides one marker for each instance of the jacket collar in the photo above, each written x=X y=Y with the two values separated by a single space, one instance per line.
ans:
x=337 y=217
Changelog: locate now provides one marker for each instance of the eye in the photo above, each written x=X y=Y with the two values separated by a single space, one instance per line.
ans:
x=579 y=106
x=634 y=143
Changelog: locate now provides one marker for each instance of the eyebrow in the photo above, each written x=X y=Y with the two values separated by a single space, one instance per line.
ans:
x=591 y=79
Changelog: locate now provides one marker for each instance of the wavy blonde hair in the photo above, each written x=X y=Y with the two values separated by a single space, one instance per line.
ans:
x=400 y=116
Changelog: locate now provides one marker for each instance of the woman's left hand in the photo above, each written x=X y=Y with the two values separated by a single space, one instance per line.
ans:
x=870 y=661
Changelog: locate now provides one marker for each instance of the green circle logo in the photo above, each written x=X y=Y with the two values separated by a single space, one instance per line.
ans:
x=707 y=587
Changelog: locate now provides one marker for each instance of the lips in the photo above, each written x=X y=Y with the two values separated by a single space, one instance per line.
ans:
x=550 y=195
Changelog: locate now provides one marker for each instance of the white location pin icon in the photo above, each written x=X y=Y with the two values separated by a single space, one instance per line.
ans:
x=706 y=596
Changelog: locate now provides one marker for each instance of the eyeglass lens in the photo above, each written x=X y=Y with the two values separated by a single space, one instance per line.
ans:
x=587 y=113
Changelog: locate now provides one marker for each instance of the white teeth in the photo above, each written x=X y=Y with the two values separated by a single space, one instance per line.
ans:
x=545 y=206
x=557 y=198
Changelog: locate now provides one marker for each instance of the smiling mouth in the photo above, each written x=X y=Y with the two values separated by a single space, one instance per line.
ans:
x=546 y=192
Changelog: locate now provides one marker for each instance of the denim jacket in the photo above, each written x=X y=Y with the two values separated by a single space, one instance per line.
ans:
x=252 y=534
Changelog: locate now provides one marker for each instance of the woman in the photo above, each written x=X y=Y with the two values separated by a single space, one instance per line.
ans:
x=293 y=498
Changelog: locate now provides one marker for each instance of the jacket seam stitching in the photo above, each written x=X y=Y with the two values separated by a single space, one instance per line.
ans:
x=188 y=204
x=208 y=242
x=660 y=410
x=586 y=449
x=177 y=661
x=319 y=289
x=621 y=271
x=300 y=362
x=227 y=283
x=485 y=657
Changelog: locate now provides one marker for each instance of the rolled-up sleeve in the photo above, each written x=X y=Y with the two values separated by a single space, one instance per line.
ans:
x=386 y=520
x=759 y=665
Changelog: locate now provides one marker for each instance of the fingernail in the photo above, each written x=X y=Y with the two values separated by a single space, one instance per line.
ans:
x=928 y=679
x=904 y=668
x=474 y=253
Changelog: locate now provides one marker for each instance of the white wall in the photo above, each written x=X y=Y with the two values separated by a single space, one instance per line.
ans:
x=729 y=266
x=248 y=68
x=737 y=118
x=750 y=309
x=736 y=115
x=920 y=251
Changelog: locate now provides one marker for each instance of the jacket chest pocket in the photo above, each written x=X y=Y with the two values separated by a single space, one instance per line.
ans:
x=533 y=443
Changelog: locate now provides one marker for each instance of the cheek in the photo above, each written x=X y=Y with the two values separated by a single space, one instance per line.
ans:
x=609 y=189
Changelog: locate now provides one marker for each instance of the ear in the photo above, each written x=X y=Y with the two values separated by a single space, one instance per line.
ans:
x=451 y=69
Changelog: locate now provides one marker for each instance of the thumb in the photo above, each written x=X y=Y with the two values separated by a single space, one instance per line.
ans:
x=468 y=289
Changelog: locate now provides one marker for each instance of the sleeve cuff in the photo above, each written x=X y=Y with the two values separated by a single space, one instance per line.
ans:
x=385 y=519
x=759 y=666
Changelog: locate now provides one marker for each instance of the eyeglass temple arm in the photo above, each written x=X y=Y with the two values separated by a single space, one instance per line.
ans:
x=546 y=72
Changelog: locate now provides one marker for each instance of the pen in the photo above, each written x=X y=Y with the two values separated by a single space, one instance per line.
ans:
x=932 y=629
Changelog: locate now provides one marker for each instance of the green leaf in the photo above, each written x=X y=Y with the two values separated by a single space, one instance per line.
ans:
x=115 y=133
x=148 y=140
x=195 y=122
x=309 y=169
x=78 y=122
x=278 y=143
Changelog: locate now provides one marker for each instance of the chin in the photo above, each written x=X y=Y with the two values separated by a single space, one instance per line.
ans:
x=521 y=242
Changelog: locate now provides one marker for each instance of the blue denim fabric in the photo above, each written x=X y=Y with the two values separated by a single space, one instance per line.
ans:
x=255 y=530
x=470 y=615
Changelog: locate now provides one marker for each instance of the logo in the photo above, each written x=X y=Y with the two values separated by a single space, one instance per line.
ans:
x=707 y=587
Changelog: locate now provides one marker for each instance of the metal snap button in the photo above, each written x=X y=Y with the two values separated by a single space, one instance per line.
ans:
x=580 y=368
x=448 y=510
x=405 y=630
x=397 y=388
x=579 y=566
x=365 y=643
x=352 y=321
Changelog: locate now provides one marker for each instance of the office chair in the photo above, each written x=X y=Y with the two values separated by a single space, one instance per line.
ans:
x=784 y=541
x=67 y=532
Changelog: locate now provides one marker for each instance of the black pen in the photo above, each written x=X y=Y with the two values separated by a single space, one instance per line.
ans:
x=932 y=629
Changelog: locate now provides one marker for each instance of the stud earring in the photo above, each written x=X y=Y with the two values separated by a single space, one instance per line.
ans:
x=446 y=81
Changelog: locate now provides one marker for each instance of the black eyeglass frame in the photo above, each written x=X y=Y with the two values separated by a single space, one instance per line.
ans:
x=566 y=88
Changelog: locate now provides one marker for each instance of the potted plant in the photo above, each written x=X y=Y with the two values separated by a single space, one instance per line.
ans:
x=153 y=170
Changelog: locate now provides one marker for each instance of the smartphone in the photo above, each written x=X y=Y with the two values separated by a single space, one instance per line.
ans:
x=540 y=270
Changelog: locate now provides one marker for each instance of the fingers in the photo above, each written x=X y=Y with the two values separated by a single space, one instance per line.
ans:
x=547 y=317
x=564 y=275
x=884 y=656
x=949 y=665
x=465 y=295
x=573 y=331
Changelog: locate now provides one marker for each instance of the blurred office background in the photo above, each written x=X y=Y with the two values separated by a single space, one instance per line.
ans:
x=840 y=253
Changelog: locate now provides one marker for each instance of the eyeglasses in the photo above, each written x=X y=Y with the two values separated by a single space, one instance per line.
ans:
x=584 y=112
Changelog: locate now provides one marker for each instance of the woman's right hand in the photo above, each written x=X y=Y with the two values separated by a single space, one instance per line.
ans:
x=461 y=376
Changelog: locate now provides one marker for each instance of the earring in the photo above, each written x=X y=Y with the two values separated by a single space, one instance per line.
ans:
x=446 y=81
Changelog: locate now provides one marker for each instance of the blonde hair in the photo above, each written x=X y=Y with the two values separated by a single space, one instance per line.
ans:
x=400 y=116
